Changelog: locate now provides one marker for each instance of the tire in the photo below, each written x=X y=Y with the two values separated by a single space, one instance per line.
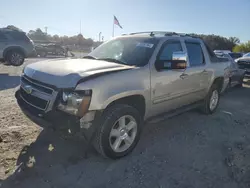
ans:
x=43 y=54
x=15 y=58
x=206 y=108
x=240 y=82
x=229 y=84
x=105 y=144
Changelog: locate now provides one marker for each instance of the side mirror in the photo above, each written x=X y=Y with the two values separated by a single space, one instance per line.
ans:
x=178 y=61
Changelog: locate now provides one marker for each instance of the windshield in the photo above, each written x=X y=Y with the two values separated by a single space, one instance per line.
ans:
x=127 y=50
x=247 y=55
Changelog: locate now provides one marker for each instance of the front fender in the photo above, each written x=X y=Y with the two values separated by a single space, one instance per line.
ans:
x=111 y=87
x=113 y=97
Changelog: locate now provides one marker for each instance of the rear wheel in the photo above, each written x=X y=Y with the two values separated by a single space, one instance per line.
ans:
x=211 y=101
x=119 y=131
x=15 y=58
x=43 y=54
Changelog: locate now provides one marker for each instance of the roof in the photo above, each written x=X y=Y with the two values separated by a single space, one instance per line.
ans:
x=159 y=34
x=11 y=30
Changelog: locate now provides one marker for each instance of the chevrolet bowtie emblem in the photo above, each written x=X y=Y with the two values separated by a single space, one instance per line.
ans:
x=28 y=89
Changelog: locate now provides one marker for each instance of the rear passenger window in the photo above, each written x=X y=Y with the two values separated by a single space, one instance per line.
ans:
x=2 y=36
x=18 y=36
x=211 y=54
x=168 y=50
x=195 y=54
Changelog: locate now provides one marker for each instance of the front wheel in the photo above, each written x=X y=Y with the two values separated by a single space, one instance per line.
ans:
x=241 y=81
x=15 y=58
x=212 y=99
x=119 y=131
x=43 y=54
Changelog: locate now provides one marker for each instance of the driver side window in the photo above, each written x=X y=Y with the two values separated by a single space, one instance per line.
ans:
x=168 y=49
x=164 y=57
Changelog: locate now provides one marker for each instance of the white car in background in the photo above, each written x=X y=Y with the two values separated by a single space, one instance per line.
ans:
x=236 y=74
x=244 y=63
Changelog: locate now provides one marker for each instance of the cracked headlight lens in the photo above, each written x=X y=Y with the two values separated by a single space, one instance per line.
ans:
x=75 y=103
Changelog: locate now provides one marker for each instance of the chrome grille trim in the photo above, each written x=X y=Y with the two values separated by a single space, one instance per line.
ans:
x=39 y=85
x=50 y=98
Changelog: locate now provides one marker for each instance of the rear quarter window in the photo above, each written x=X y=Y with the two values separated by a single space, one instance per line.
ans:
x=18 y=36
x=211 y=54
x=2 y=36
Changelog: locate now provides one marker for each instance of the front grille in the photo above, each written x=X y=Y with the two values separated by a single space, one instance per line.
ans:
x=244 y=64
x=33 y=101
x=36 y=86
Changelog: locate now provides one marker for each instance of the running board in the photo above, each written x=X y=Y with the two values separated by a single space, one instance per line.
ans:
x=167 y=115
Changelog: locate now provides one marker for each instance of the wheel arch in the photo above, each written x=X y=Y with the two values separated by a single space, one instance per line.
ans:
x=218 y=81
x=12 y=48
x=135 y=100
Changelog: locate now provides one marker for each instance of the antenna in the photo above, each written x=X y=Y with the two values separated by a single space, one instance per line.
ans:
x=46 y=29
x=80 y=26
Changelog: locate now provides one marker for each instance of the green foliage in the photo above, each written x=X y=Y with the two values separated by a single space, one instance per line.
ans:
x=38 y=36
x=218 y=42
x=214 y=41
x=244 y=47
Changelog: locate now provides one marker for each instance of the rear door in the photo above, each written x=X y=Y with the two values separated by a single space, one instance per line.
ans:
x=3 y=43
x=197 y=72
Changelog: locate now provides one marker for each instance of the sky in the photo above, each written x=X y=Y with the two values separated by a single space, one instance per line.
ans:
x=220 y=17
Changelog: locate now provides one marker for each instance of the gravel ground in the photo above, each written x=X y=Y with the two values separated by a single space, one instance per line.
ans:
x=189 y=150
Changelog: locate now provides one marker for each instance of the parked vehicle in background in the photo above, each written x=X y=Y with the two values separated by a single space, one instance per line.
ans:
x=236 y=75
x=50 y=49
x=235 y=55
x=244 y=63
x=222 y=51
x=15 y=46
x=123 y=82
x=247 y=55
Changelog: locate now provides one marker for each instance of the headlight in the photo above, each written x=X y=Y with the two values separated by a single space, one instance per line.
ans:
x=76 y=103
x=65 y=97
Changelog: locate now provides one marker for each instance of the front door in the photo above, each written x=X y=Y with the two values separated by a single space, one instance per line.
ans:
x=169 y=88
x=3 y=43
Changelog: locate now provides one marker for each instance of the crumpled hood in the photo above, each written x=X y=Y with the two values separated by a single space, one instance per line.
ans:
x=65 y=73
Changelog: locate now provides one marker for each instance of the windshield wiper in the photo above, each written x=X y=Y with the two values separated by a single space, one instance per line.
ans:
x=113 y=60
x=88 y=57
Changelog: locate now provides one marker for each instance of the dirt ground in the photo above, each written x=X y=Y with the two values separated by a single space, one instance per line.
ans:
x=189 y=150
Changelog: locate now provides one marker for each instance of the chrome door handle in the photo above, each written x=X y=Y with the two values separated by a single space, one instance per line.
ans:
x=205 y=71
x=183 y=76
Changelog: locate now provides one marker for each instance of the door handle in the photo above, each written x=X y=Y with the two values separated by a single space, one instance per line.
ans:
x=183 y=75
x=205 y=71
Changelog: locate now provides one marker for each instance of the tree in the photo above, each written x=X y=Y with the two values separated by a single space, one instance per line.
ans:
x=13 y=27
x=80 y=39
x=56 y=38
x=218 y=42
x=244 y=47
x=89 y=42
x=38 y=35
x=234 y=40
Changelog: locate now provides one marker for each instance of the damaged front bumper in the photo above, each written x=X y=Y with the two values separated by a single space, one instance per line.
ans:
x=59 y=119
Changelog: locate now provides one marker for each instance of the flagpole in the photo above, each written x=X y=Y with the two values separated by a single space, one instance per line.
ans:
x=113 y=29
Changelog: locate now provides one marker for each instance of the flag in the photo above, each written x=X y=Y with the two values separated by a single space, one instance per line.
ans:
x=116 y=22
